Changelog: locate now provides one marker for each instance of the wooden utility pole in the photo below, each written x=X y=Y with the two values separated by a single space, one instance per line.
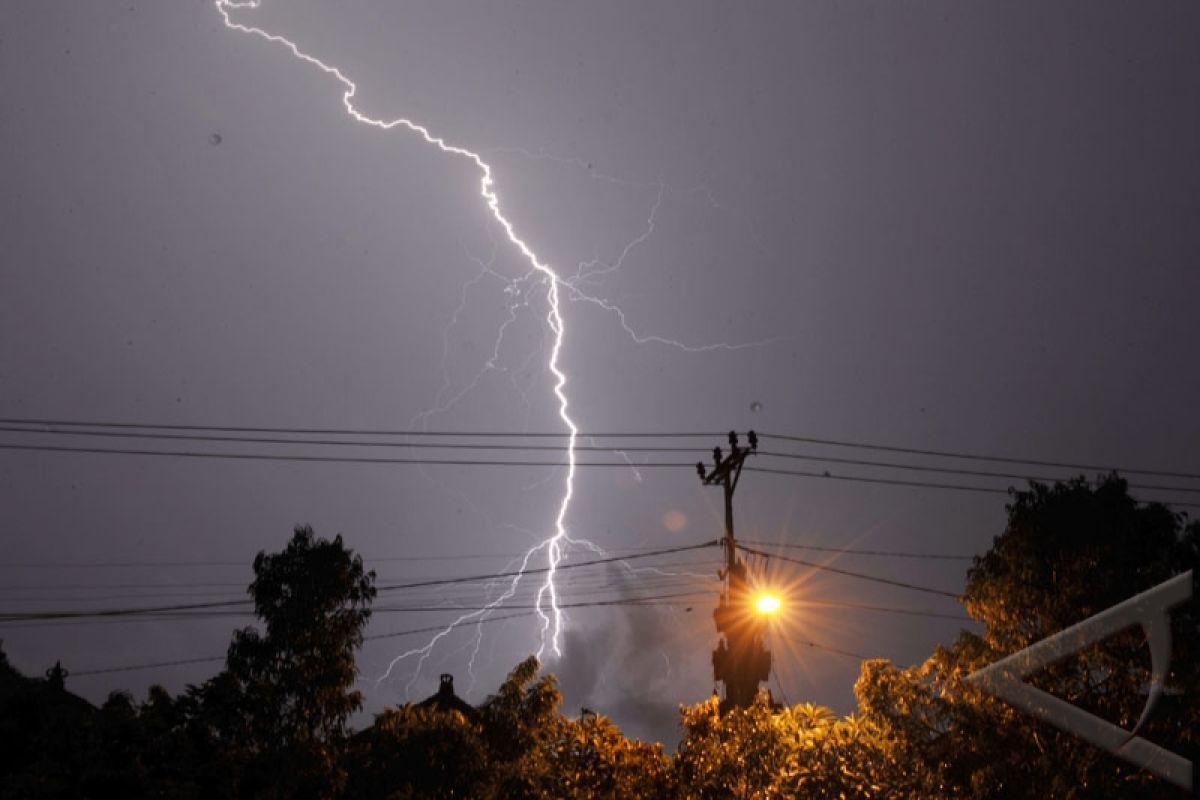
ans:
x=740 y=661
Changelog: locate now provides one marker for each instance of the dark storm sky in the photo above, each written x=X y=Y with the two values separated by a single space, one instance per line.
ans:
x=963 y=227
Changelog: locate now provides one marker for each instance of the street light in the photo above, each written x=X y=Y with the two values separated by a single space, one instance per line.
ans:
x=767 y=604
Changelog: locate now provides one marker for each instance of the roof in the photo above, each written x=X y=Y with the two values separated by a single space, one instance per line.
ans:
x=446 y=700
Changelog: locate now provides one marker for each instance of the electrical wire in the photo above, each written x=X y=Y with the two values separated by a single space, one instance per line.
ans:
x=850 y=573
x=352 y=443
x=974 y=456
x=966 y=455
x=559 y=568
x=210 y=659
x=397 y=634
x=957 y=471
x=495 y=463
x=356 y=431
x=827 y=648
x=369 y=560
x=508 y=447
x=221 y=604
x=850 y=551
x=374 y=637
x=862 y=479
x=914 y=612
x=460 y=462
x=779 y=684
x=922 y=484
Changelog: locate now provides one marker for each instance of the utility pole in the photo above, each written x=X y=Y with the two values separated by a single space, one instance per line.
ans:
x=741 y=661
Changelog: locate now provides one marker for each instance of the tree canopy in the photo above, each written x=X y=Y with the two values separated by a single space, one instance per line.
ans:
x=274 y=722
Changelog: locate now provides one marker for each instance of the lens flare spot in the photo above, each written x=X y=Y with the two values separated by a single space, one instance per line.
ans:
x=674 y=521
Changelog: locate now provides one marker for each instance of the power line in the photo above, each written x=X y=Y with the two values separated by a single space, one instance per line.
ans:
x=850 y=551
x=355 y=431
x=913 y=612
x=461 y=462
x=827 y=648
x=393 y=635
x=850 y=573
x=660 y=601
x=572 y=585
x=779 y=685
x=508 y=447
x=887 y=481
x=659 y=575
x=155 y=665
x=539 y=570
x=367 y=560
x=352 y=443
x=541 y=463
x=957 y=471
x=210 y=659
x=674 y=600
x=650 y=600
x=973 y=456
x=376 y=637
x=225 y=604
x=497 y=463
x=920 y=484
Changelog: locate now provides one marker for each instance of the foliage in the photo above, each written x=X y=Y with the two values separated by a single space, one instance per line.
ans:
x=418 y=753
x=1068 y=552
x=763 y=752
x=284 y=699
x=593 y=759
x=274 y=722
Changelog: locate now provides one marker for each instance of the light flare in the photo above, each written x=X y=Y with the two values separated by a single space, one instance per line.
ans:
x=767 y=604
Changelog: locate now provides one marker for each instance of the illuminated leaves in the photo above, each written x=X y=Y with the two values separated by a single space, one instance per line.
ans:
x=763 y=753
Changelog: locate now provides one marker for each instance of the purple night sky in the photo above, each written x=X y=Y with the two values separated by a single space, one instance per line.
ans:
x=965 y=227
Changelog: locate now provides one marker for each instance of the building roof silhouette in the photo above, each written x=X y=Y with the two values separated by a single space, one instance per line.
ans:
x=446 y=700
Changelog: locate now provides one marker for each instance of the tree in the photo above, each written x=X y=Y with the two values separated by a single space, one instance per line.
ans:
x=418 y=753
x=1068 y=552
x=281 y=706
x=517 y=745
x=765 y=752
x=519 y=725
x=593 y=759
x=732 y=755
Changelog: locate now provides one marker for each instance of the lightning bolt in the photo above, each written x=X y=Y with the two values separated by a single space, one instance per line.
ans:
x=550 y=614
x=557 y=289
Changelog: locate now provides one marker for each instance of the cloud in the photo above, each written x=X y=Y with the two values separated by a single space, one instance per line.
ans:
x=622 y=669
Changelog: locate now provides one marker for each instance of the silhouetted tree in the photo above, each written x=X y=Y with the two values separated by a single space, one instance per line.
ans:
x=419 y=753
x=279 y=710
x=517 y=745
x=1068 y=552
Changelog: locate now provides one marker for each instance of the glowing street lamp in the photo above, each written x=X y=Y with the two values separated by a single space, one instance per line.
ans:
x=767 y=604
